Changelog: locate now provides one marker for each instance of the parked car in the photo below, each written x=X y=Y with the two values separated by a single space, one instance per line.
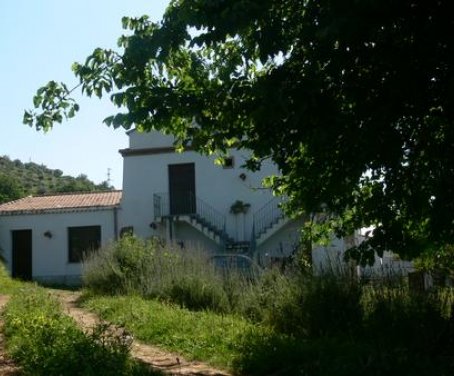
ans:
x=236 y=263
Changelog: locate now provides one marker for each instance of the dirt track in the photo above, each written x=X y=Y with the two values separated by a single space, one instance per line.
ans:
x=157 y=359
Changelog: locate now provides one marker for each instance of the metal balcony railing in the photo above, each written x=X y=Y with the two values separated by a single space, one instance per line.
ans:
x=192 y=206
x=267 y=216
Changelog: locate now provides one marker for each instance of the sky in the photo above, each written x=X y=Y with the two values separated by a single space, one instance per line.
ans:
x=39 y=41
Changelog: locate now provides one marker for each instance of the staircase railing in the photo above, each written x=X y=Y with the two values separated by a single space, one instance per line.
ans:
x=210 y=214
x=268 y=215
x=159 y=206
x=191 y=206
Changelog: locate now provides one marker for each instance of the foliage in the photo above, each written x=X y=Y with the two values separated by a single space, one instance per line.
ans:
x=239 y=207
x=439 y=262
x=201 y=335
x=10 y=188
x=44 y=341
x=18 y=179
x=146 y=268
x=294 y=323
x=393 y=332
x=351 y=100
x=7 y=284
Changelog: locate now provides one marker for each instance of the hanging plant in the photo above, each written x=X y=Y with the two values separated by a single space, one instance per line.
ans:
x=239 y=207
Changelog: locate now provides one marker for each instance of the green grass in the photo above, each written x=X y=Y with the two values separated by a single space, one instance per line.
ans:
x=397 y=337
x=286 y=324
x=292 y=323
x=45 y=341
x=8 y=285
x=200 y=335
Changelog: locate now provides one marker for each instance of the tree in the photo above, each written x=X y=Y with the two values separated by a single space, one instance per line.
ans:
x=10 y=189
x=352 y=100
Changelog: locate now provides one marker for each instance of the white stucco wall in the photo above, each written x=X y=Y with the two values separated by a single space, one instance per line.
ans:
x=330 y=258
x=192 y=239
x=281 y=244
x=153 y=139
x=145 y=175
x=50 y=255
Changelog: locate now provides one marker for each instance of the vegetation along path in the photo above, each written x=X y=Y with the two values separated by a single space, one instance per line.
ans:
x=158 y=359
x=7 y=366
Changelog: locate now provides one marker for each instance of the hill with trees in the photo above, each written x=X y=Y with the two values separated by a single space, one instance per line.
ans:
x=19 y=179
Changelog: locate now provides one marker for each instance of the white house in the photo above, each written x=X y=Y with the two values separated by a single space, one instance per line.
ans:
x=187 y=198
x=184 y=198
x=43 y=238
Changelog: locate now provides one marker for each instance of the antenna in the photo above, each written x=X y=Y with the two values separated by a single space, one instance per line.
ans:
x=109 y=181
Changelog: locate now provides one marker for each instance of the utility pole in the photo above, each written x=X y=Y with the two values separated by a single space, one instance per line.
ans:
x=109 y=181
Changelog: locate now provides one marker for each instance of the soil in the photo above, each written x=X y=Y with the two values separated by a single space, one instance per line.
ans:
x=155 y=358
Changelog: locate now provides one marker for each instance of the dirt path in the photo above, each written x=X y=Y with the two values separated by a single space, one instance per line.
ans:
x=166 y=362
x=7 y=367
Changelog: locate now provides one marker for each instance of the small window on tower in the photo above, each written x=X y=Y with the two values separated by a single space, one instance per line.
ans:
x=228 y=162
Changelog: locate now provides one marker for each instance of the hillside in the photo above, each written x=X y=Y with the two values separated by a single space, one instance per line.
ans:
x=18 y=179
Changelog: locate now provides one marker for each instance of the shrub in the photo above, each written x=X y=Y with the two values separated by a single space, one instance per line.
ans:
x=415 y=325
x=305 y=305
x=146 y=268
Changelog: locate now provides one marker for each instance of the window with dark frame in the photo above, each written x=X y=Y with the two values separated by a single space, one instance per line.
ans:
x=228 y=162
x=82 y=240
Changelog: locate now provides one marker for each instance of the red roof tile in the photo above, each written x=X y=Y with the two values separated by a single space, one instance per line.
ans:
x=62 y=202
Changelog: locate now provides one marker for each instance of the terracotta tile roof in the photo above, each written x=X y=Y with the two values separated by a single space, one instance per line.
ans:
x=62 y=202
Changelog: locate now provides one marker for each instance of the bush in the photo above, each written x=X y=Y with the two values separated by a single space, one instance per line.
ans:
x=305 y=305
x=414 y=325
x=146 y=268
x=304 y=324
x=44 y=341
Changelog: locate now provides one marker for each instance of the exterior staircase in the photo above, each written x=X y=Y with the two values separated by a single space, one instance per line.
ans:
x=202 y=217
x=211 y=230
x=267 y=221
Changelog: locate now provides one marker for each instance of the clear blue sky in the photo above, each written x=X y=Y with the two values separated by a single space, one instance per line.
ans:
x=39 y=41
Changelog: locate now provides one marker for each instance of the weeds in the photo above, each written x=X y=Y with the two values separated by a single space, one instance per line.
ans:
x=8 y=285
x=44 y=341
x=201 y=335
x=136 y=266
x=294 y=323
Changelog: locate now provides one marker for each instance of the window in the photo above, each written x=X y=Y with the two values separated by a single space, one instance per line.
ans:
x=228 y=162
x=82 y=240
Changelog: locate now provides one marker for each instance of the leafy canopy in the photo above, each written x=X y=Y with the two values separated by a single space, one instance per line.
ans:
x=10 y=188
x=352 y=100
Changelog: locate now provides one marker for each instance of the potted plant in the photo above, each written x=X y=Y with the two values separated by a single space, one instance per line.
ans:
x=239 y=207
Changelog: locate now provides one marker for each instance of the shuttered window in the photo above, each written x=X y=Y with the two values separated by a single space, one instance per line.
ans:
x=82 y=240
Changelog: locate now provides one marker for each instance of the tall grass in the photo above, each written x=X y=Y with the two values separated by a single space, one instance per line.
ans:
x=7 y=284
x=327 y=324
x=200 y=335
x=146 y=268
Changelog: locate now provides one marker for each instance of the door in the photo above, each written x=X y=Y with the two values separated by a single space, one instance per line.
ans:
x=182 y=188
x=22 y=254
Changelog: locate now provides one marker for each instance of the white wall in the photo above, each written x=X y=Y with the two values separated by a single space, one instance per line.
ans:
x=145 y=175
x=153 y=139
x=193 y=239
x=330 y=258
x=281 y=244
x=50 y=255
